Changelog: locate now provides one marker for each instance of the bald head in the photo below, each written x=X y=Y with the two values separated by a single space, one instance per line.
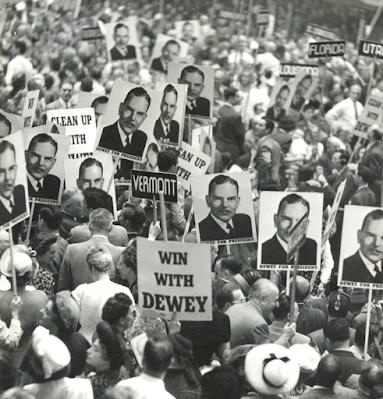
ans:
x=302 y=288
x=355 y=92
x=328 y=372
x=265 y=294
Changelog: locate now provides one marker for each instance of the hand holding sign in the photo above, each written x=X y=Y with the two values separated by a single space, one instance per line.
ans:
x=174 y=324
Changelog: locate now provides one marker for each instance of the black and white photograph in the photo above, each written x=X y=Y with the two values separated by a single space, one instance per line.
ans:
x=169 y=126
x=200 y=84
x=361 y=253
x=280 y=100
x=10 y=123
x=44 y=158
x=279 y=212
x=164 y=52
x=14 y=205
x=202 y=139
x=187 y=31
x=121 y=41
x=303 y=86
x=95 y=171
x=223 y=208
x=92 y=100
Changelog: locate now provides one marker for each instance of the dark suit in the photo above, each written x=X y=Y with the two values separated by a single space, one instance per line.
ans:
x=297 y=103
x=210 y=231
x=115 y=55
x=173 y=135
x=364 y=197
x=350 y=364
x=50 y=189
x=110 y=139
x=202 y=108
x=67 y=225
x=274 y=254
x=18 y=209
x=310 y=320
x=282 y=138
x=271 y=114
x=354 y=269
x=157 y=65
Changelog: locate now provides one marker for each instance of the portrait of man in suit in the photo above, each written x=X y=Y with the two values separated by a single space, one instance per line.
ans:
x=274 y=251
x=223 y=223
x=40 y=159
x=99 y=105
x=366 y=264
x=124 y=135
x=165 y=129
x=302 y=87
x=122 y=50
x=12 y=198
x=5 y=126
x=276 y=112
x=169 y=51
x=194 y=78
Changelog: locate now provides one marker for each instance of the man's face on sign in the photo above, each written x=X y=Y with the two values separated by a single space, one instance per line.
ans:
x=5 y=130
x=91 y=177
x=370 y=239
x=281 y=98
x=99 y=109
x=40 y=159
x=169 y=52
x=8 y=170
x=121 y=37
x=303 y=86
x=187 y=30
x=223 y=201
x=287 y=217
x=195 y=84
x=168 y=107
x=133 y=113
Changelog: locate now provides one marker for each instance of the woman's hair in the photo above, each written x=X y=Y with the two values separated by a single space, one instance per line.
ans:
x=116 y=307
x=42 y=242
x=129 y=258
x=62 y=329
x=100 y=259
x=112 y=343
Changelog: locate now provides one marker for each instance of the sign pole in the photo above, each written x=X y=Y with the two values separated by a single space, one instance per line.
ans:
x=163 y=216
x=115 y=164
x=189 y=129
x=228 y=248
x=371 y=76
x=155 y=216
x=324 y=81
x=14 y=281
x=368 y=321
x=191 y=212
x=296 y=257
x=288 y=275
x=30 y=219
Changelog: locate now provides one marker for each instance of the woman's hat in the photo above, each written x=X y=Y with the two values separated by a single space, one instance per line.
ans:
x=22 y=260
x=306 y=356
x=271 y=370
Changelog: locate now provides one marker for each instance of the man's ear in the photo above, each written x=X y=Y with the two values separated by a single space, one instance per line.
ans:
x=207 y=201
x=359 y=236
x=120 y=108
x=78 y=183
x=275 y=220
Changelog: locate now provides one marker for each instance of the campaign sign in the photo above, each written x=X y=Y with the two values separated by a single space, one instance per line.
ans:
x=290 y=70
x=327 y=49
x=263 y=17
x=371 y=115
x=80 y=125
x=297 y=236
x=320 y=32
x=174 y=277
x=370 y=49
x=30 y=105
x=150 y=184
x=232 y=15
x=91 y=33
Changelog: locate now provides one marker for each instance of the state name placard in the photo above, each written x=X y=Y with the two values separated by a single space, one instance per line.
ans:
x=80 y=125
x=371 y=115
x=149 y=184
x=174 y=277
x=91 y=33
x=370 y=49
x=321 y=32
x=290 y=70
x=232 y=15
x=327 y=49
x=263 y=17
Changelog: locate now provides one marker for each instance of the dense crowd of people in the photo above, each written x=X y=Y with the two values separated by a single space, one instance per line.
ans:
x=74 y=329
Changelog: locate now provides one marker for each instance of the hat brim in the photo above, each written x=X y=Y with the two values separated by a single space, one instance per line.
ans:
x=6 y=267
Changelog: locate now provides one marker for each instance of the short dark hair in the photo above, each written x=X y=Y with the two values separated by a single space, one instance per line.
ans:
x=138 y=92
x=366 y=174
x=167 y=158
x=377 y=214
x=360 y=335
x=170 y=89
x=86 y=84
x=229 y=92
x=221 y=179
x=158 y=353
x=21 y=46
x=118 y=26
x=96 y=198
x=87 y=163
x=192 y=69
x=269 y=125
x=52 y=216
x=129 y=257
x=42 y=138
x=306 y=77
x=6 y=145
x=99 y=100
x=172 y=42
x=3 y=119
x=116 y=307
x=293 y=199
x=328 y=371
x=230 y=263
x=336 y=330
x=281 y=312
x=225 y=294
x=344 y=157
x=284 y=87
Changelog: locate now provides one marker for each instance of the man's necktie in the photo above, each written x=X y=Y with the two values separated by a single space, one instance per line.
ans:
x=39 y=186
x=167 y=131
x=230 y=228
x=11 y=205
x=379 y=275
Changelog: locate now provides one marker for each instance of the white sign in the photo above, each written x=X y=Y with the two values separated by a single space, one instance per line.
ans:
x=30 y=105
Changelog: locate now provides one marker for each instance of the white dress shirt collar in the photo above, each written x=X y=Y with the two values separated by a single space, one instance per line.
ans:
x=370 y=266
x=222 y=225
x=34 y=182
x=164 y=127
x=7 y=202
x=123 y=135
x=283 y=244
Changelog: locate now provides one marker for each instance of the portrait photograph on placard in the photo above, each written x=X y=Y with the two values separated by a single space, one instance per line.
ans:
x=44 y=157
x=92 y=100
x=9 y=123
x=187 y=31
x=279 y=212
x=361 y=251
x=14 y=205
x=169 y=126
x=95 y=171
x=223 y=208
x=164 y=52
x=121 y=40
x=202 y=139
x=200 y=83
x=280 y=100
x=303 y=86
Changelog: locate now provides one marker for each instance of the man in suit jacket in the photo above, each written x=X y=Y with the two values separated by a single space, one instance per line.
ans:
x=12 y=199
x=72 y=207
x=165 y=129
x=363 y=196
x=277 y=111
x=121 y=50
x=274 y=251
x=169 y=51
x=194 y=78
x=223 y=223
x=366 y=264
x=74 y=269
x=230 y=131
x=123 y=136
x=66 y=91
x=299 y=96
x=40 y=159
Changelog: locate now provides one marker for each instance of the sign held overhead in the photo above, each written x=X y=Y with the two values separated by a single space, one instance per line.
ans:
x=327 y=49
x=370 y=49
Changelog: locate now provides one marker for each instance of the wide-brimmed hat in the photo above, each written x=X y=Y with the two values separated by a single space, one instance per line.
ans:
x=22 y=260
x=271 y=370
x=306 y=356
